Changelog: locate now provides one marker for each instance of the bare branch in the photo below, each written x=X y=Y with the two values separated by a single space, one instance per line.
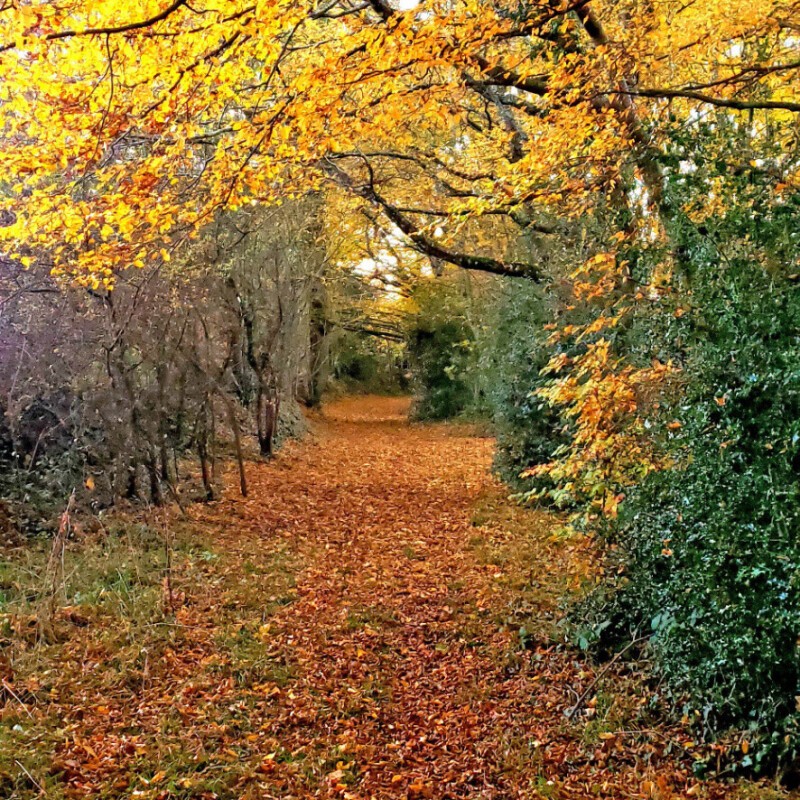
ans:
x=112 y=29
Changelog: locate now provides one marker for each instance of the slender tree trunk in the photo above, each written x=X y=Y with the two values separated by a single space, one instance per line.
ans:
x=203 y=453
x=208 y=485
x=268 y=407
x=237 y=441
x=131 y=490
x=162 y=422
x=205 y=469
x=319 y=353
x=212 y=450
x=156 y=495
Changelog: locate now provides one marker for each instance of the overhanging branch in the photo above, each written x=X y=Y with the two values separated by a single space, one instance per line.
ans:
x=421 y=241
x=707 y=99
x=428 y=246
x=110 y=30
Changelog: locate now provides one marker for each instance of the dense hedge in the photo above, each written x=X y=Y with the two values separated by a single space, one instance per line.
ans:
x=441 y=348
x=513 y=351
x=707 y=553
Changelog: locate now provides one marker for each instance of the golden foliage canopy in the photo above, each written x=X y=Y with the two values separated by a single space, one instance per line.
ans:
x=127 y=125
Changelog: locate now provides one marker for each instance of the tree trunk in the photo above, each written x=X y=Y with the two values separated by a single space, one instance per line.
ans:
x=319 y=362
x=156 y=496
x=237 y=441
x=267 y=409
x=203 y=453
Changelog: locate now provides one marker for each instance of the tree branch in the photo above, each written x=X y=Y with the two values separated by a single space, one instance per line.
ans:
x=383 y=9
x=110 y=30
x=720 y=102
x=423 y=243
x=429 y=247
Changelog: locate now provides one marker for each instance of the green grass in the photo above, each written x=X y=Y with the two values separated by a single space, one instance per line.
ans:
x=113 y=634
x=249 y=661
x=369 y=617
x=119 y=572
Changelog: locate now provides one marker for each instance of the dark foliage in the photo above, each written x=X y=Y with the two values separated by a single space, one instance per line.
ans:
x=707 y=553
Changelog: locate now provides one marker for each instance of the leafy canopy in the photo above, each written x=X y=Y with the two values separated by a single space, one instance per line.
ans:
x=127 y=125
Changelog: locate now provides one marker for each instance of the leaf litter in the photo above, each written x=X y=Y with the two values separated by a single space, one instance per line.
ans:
x=376 y=620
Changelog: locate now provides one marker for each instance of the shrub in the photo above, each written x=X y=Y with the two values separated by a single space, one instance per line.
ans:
x=707 y=553
x=512 y=354
x=367 y=364
x=442 y=352
x=441 y=349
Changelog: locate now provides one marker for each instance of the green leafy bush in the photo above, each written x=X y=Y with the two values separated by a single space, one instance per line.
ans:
x=512 y=354
x=368 y=364
x=442 y=351
x=707 y=553
x=442 y=354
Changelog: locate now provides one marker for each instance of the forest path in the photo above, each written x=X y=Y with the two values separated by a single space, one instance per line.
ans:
x=404 y=674
x=352 y=630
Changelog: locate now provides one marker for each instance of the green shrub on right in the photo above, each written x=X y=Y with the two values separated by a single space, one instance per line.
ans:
x=705 y=557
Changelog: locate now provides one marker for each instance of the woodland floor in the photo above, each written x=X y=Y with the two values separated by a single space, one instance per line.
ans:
x=351 y=630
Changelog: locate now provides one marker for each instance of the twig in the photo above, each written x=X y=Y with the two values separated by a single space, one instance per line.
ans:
x=178 y=625
x=168 y=567
x=30 y=777
x=574 y=710
x=16 y=697
x=54 y=571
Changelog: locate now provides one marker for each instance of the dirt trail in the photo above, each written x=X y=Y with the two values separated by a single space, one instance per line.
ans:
x=408 y=678
x=356 y=633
